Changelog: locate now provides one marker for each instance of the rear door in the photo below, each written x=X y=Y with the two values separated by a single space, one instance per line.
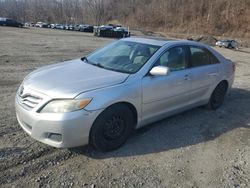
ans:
x=204 y=70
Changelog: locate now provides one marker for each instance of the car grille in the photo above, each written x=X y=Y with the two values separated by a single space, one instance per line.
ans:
x=29 y=101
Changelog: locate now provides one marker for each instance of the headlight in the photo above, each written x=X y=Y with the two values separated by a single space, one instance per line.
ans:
x=63 y=106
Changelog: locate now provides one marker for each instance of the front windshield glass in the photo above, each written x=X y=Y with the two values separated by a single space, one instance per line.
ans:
x=122 y=56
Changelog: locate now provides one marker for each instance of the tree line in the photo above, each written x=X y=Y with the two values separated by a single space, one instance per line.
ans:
x=192 y=16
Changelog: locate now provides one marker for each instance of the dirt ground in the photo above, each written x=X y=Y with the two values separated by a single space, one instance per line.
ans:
x=198 y=148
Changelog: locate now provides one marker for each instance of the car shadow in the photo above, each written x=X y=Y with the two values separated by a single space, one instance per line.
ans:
x=243 y=51
x=186 y=129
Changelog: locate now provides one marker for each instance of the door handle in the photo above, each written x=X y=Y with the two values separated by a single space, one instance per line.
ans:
x=213 y=74
x=187 y=77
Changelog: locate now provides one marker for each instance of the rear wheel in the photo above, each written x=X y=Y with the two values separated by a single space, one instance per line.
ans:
x=217 y=97
x=112 y=128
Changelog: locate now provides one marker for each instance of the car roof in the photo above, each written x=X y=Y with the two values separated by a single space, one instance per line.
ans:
x=4 y=19
x=158 y=41
x=226 y=40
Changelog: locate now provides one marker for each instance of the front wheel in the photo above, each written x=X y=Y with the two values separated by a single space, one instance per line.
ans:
x=112 y=128
x=217 y=97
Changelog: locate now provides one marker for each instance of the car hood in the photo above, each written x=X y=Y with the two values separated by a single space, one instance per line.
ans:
x=69 y=79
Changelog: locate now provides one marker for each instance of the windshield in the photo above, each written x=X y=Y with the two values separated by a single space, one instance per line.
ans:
x=225 y=40
x=122 y=56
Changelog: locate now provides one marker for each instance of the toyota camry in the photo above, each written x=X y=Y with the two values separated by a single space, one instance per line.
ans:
x=101 y=98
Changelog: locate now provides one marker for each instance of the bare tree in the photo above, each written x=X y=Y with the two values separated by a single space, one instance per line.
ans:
x=200 y=16
x=97 y=9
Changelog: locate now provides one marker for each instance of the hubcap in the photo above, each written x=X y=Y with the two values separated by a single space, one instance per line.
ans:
x=114 y=128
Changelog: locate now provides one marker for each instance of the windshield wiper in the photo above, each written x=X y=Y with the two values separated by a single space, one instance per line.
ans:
x=109 y=68
x=92 y=63
x=84 y=59
x=99 y=65
x=103 y=67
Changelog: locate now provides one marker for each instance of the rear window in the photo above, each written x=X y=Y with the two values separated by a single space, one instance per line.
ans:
x=10 y=20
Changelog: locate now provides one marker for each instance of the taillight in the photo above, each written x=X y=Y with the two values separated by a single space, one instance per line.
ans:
x=233 y=65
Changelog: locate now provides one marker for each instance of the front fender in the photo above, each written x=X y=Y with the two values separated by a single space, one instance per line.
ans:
x=129 y=92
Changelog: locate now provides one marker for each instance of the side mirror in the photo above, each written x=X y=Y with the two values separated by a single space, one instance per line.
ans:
x=159 y=71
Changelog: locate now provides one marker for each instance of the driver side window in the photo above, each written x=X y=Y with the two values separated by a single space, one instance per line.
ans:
x=174 y=59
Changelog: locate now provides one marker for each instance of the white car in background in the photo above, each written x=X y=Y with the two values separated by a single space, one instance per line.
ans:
x=39 y=24
x=227 y=43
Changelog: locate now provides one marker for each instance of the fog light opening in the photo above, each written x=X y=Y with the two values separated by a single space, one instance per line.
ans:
x=55 y=137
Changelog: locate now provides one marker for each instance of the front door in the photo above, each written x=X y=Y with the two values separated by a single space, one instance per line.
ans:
x=164 y=94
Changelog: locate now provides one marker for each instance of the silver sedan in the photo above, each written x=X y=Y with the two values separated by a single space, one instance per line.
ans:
x=101 y=98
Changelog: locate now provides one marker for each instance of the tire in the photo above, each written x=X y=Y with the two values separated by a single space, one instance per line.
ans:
x=112 y=128
x=98 y=33
x=217 y=98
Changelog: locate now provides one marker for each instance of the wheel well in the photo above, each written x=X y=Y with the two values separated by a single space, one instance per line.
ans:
x=133 y=110
x=224 y=82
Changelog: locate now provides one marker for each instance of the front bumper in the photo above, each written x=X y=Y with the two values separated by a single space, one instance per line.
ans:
x=62 y=130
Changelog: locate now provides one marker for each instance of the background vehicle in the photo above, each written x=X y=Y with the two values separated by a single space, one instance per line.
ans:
x=39 y=24
x=69 y=27
x=29 y=24
x=42 y=25
x=78 y=27
x=111 y=31
x=10 y=22
x=113 y=91
x=59 y=26
x=227 y=43
x=102 y=30
x=87 y=28
x=52 y=26
x=122 y=32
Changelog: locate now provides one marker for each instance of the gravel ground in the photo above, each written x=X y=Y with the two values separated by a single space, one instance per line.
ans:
x=198 y=148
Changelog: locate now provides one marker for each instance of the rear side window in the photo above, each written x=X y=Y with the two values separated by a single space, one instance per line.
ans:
x=213 y=59
x=201 y=57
